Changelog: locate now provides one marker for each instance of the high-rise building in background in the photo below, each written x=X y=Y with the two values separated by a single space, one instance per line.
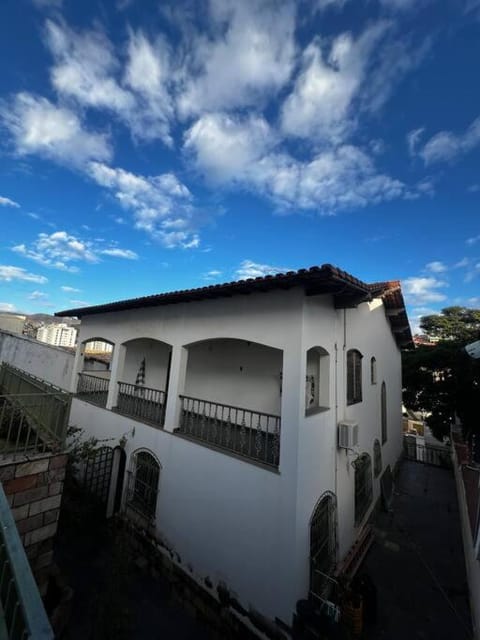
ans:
x=60 y=335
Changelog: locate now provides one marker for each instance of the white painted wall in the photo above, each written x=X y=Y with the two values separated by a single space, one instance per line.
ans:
x=53 y=364
x=156 y=356
x=229 y=519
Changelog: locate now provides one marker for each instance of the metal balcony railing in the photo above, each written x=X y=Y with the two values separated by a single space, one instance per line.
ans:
x=144 y=403
x=426 y=453
x=22 y=616
x=31 y=409
x=252 y=434
x=93 y=389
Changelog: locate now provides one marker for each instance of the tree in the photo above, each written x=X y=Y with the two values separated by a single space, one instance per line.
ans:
x=443 y=381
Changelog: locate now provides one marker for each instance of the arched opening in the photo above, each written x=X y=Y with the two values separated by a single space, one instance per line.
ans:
x=232 y=397
x=143 y=380
x=144 y=475
x=317 y=380
x=94 y=376
x=363 y=486
x=322 y=544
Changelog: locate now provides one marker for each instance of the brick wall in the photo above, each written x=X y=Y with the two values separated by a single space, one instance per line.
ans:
x=34 y=490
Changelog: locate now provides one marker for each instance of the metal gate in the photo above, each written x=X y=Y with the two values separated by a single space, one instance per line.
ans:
x=98 y=474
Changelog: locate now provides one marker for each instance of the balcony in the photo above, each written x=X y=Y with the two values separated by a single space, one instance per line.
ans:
x=93 y=389
x=22 y=613
x=250 y=434
x=143 y=403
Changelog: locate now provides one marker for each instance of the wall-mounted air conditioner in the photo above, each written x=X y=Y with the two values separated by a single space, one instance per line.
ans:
x=347 y=434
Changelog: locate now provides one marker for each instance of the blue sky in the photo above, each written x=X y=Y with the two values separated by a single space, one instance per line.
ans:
x=149 y=146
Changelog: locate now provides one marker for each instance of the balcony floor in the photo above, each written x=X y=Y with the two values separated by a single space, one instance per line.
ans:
x=417 y=562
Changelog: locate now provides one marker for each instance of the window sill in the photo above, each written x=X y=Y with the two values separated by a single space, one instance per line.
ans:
x=312 y=411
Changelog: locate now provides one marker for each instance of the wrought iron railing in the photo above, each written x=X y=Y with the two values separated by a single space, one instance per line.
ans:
x=141 y=402
x=252 y=434
x=34 y=403
x=93 y=389
x=23 y=615
x=426 y=453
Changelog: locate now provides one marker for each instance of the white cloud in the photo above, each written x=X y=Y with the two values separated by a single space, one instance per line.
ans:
x=7 y=306
x=250 y=269
x=423 y=290
x=70 y=289
x=9 y=273
x=413 y=138
x=320 y=104
x=6 y=202
x=38 y=295
x=214 y=274
x=473 y=240
x=161 y=205
x=37 y=126
x=226 y=147
x=120 y=253
x=50 y=4
x=446 y=146
x=400 y=4
x=58 y=250
x=249 y=56
x=79 y=303
x=436 y=267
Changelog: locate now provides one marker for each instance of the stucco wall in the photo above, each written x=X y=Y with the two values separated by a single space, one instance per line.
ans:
x=156 y=356
x=53 y=364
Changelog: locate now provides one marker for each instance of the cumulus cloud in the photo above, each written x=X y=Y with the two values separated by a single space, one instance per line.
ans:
x=249 y=56
x=413 y=139
x=37 y=126
x=421 y=291
x=447 y=146
x=38 y=295
x=250 y=269
x=60 y=249
x=473 y=240
x=161 y=205
x=6 y=202
x=214 y=274
x=7 y=306
x=436 y=267
x=9 y=273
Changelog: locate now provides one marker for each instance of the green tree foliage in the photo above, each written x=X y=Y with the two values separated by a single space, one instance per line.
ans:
x=443 y=380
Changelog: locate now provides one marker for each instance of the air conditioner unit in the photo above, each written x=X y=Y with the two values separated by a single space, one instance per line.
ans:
x=347 y=434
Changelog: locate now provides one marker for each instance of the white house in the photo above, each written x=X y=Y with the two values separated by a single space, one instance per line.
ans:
x=233 y=400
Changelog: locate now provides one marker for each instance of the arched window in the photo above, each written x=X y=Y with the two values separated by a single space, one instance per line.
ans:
x=317 y=386
x=143 y=484
x=354 y=376
x=383 y=410
x=363 y=486
x=322 y=544
x=373 y=371
x=377 y=458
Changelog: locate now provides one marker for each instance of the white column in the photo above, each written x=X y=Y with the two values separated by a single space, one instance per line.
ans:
x=116 y=371
x=176 y=385
x=77 y=366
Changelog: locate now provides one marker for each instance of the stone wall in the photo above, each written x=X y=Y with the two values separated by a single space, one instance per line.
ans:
x=34 y=491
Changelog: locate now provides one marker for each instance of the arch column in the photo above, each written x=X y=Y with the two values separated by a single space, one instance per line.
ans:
x=116 y=369
x=176 y=385
x=77 y=366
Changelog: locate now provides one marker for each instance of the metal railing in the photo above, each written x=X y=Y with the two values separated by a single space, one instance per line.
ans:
x=93 y=389
x=252 y=434
x=141 y=402
x=23 y=614
x=40 y=405
x=426 y=453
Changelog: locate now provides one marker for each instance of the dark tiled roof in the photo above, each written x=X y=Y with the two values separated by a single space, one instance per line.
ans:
x=347 y=291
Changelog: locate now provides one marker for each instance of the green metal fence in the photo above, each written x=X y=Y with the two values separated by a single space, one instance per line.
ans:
x=22 y=614
x=26 y=402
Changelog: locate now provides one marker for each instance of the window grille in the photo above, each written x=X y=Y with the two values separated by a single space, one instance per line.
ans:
x=322 y=544
x=383 y=409
x=143 y=484
x=377 y=458
x=354 y=376
x=363 y=486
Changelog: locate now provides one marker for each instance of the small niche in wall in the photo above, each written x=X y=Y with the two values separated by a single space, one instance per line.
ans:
x=317 y=381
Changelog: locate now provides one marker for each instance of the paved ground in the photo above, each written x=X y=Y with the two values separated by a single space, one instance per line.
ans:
x=417 y=562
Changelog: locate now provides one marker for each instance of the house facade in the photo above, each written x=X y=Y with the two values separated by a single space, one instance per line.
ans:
x=251 y=422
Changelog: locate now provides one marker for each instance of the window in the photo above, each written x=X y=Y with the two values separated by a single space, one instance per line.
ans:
x=363 y=486
x=373 y=371
x=354 y=376
x=377 y=458
x=322 y=544
x=143 y=484
x=317 y=380
x=383 y=410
